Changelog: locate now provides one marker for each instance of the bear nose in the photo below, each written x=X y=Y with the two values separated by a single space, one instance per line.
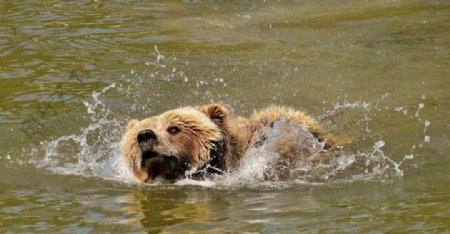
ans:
x=146 y=135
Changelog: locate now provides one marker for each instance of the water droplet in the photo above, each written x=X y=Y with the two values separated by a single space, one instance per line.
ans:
x=408 y=157
x=379 y=144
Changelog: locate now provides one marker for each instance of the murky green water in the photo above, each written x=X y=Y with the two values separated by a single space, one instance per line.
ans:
x=374 y=72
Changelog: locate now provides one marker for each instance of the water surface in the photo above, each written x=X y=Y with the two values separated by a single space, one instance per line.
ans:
x=375 y=73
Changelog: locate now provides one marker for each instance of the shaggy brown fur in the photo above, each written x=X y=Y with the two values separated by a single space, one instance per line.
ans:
x=182 y=141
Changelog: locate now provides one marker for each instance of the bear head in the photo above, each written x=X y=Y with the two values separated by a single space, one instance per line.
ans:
x=175 y=143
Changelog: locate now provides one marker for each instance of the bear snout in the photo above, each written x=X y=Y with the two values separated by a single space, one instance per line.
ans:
x=146 y=139
x=146 y=135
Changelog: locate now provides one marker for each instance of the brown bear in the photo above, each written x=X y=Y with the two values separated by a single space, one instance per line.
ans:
x=183 y=141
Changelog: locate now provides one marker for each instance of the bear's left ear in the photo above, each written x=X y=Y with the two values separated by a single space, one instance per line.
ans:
x=217 y=113
x=131 y=124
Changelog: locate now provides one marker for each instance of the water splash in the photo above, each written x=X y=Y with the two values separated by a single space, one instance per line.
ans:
x=264 y=167
x=95 y=154
x=94 y=151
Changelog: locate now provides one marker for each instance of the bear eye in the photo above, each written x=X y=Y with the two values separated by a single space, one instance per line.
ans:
x=173 y=130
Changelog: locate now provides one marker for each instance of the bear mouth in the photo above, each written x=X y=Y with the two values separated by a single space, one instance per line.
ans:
x=159 y=165
x=149 y=155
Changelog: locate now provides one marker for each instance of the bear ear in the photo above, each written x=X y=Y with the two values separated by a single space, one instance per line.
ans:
x=131 y=124
x=216 y=112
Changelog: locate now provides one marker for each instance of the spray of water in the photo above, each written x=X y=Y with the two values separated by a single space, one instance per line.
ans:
x=92 y=153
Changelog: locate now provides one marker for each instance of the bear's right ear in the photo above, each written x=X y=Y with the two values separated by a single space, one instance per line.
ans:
x=132 y=123
x=217 y=113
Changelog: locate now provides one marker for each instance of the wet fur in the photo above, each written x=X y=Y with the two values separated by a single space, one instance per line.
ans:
x=208 y=136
